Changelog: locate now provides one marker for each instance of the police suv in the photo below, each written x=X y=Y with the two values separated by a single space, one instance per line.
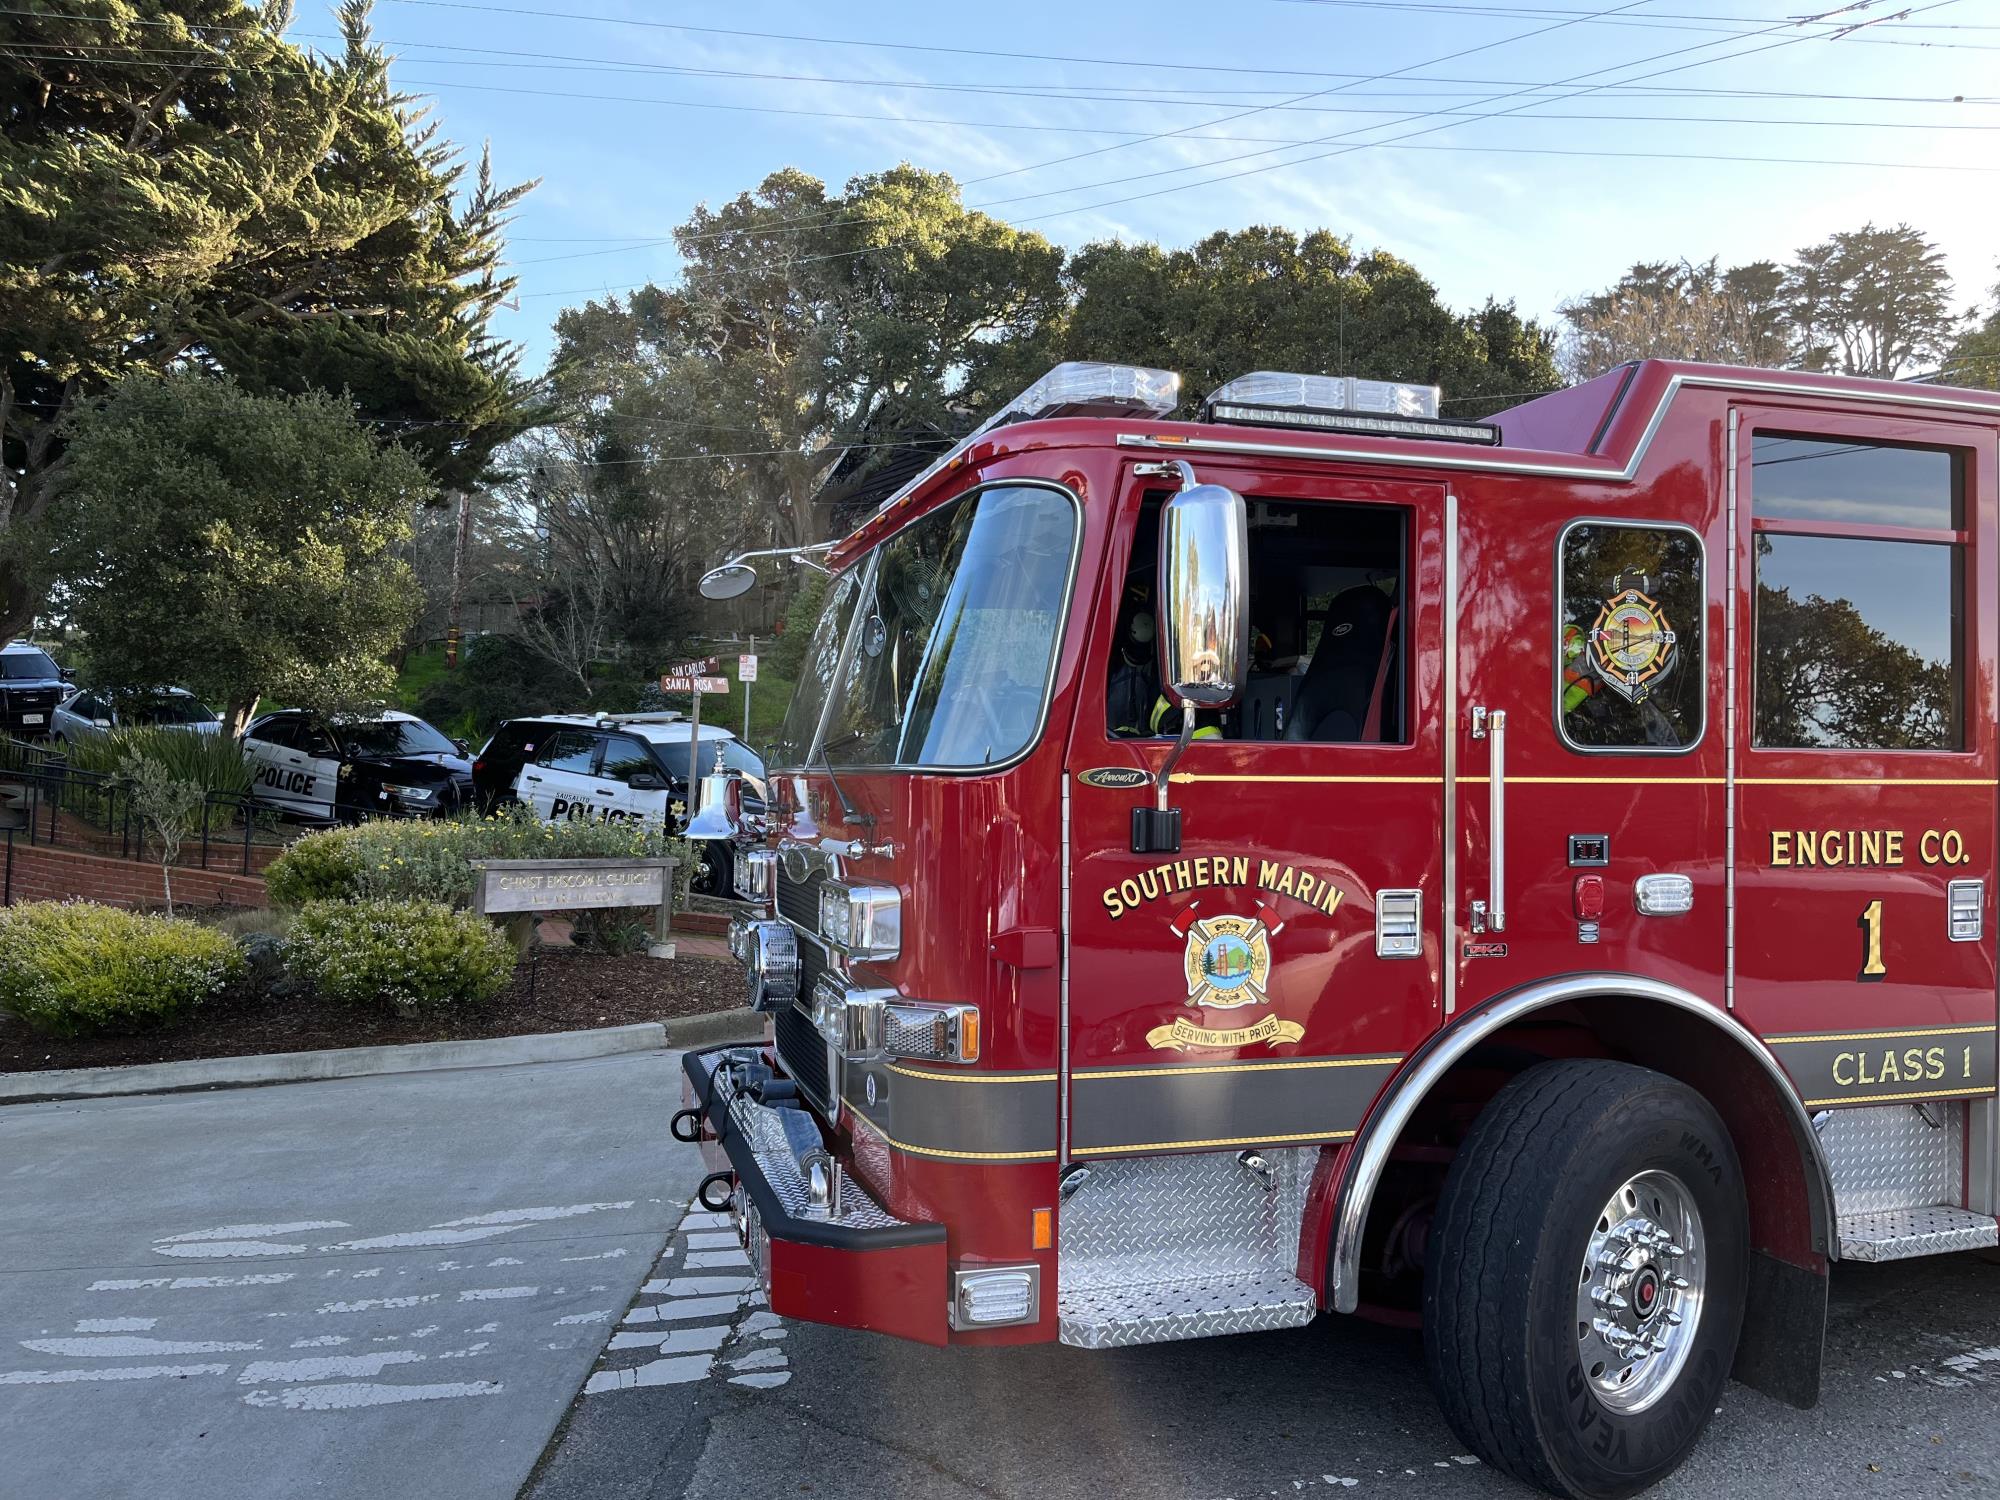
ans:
x=31 y=685
x=620 y=768
x=347 y=768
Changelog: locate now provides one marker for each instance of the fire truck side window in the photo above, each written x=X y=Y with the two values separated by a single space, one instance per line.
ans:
x=1859 y=638
x=1631 y=670
x=1326 y=627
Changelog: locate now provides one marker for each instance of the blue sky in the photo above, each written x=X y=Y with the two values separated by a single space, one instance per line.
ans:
x=1495 y=200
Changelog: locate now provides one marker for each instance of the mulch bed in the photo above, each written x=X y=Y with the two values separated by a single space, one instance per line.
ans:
x=556 y=990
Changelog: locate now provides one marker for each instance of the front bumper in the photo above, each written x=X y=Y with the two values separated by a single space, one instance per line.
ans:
x=857 y=1267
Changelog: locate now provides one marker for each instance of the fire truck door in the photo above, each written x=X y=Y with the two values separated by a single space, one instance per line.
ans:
x=1257 y=986
x=1865 y=754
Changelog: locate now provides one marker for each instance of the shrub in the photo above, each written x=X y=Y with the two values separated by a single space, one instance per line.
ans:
x=406 y=956
x=318 y=867
x=74 y=969
x=213 y=762
x=432 y=860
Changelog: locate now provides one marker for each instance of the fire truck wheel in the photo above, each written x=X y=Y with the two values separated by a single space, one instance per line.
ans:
x=1584 y=1281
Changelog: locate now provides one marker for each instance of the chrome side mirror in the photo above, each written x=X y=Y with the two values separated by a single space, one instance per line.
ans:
x=727 y=581
x=1204 y=595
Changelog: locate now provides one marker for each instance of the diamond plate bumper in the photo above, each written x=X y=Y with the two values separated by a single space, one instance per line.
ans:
x=860 y=1268
x=1905 y=1233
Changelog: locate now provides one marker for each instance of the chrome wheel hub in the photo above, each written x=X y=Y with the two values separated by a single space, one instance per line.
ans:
x=1639 y=1291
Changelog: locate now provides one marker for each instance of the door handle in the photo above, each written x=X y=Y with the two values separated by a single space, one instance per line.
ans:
x=535 y=779
x=1490 y=915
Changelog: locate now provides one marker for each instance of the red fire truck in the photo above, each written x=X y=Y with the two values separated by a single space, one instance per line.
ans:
x=1527 y=877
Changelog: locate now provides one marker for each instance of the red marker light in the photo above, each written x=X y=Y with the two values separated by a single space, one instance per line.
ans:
x=1589 y=898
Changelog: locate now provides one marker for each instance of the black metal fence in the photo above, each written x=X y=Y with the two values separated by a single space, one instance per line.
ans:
x=47 y=803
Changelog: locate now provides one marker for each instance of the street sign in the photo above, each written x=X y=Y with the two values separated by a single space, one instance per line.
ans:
x=704 y=667
x=746 y=668
x=693 y=683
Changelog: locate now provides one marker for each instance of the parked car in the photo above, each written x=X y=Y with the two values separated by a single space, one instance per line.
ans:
x=31 y=685
x=98 y=711
x=346 y=768
x=615 y=768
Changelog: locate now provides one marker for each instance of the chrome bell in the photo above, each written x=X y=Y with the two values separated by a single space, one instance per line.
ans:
x=721 y=804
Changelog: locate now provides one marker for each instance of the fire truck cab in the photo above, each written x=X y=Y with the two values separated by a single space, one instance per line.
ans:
x=1531 y=877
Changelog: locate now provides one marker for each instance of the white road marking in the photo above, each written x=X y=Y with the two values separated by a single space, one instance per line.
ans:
x=126 y=1347
x=696 y=1221
x=692 y=1307
x=485 y=1328
x=760 y=1359
x=325 y=1367
x=422 y=1239
x=696 y=1286
x=513 y=1216
x=604 y=1316
x=183 y=1283
x=713 y=1242
x=370 y=1304
x=762 y=1380
x=229 y=1249
x=253 y=1231
x=602 y=1255
x=358 y=1394
x=324 y=1341
x=497 y=1293
x=115 y=1325
x=503 y=1260
x=674 y=1340
x=678 y=1370
x=117 y=1372
x=697 y=1259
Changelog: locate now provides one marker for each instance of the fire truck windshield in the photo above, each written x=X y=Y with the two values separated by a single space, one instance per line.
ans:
x=936 y=649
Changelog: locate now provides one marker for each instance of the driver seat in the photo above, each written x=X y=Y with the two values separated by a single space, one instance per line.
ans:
x=1342 y=698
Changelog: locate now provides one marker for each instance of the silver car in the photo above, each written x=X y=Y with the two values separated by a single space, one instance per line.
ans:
x=95 y=712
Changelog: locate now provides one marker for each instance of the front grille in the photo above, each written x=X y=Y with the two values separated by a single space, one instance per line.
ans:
x=803 y=1052
x=798 y=900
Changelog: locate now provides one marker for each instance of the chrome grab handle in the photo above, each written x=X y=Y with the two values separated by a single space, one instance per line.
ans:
x=1496 y=818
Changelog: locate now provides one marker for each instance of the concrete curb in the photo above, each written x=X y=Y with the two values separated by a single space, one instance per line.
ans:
x=743 y=1025
x=338 y=1062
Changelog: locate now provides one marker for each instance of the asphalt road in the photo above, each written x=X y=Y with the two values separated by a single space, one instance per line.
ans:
x=363 y=1288
x=742 y=1408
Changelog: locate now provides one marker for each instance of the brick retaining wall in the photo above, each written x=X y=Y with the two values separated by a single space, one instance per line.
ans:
x=44 y=874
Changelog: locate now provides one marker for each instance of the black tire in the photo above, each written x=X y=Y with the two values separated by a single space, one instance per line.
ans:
x=712 y=875
x=1509 y=1261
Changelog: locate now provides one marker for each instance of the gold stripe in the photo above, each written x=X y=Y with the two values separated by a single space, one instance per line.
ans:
x=950 y=1155
x=1866 y=781
x=1599 y=780
x=1435 y=780
x=1896 y=1098
x=1092 y=1074
x=1239 y=1140
x=975 y=1077
x=1876 y=1036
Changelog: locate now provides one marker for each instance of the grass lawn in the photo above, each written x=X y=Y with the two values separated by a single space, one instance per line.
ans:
x=420 y=669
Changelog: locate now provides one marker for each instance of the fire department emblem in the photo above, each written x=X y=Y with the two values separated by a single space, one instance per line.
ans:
x=1633 y=645
x=1228 y=961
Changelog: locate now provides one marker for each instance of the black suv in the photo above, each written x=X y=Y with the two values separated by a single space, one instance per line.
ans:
x=31 y=685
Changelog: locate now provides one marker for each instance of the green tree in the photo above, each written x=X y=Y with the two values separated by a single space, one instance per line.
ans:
x=1871 y=302
x=1975 y=359
x=1269 y=299
x=805 y=322
x=237 y=544
x=180 y=187
x=1679 y=310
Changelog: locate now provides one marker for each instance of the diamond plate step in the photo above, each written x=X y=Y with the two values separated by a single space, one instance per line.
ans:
x=1905 y=1233
x=1115 y=1317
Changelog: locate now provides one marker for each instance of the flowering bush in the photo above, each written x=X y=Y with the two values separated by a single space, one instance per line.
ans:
x=407 y=956
x=432 y=860
x=76 y=969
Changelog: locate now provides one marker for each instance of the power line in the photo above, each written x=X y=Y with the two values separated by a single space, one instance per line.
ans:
x=1431 y=129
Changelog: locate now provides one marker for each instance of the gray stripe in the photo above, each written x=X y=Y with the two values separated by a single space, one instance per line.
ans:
x=1168 y=1107
x=979 y=1114
x=1863 y=1067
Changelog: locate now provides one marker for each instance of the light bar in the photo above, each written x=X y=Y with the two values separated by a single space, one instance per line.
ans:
x=1074 y=388
x=1339 y=403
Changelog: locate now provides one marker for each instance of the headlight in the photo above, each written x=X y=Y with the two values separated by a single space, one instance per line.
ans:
x=863 y=921
x=412 y=793
x=770 y=952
